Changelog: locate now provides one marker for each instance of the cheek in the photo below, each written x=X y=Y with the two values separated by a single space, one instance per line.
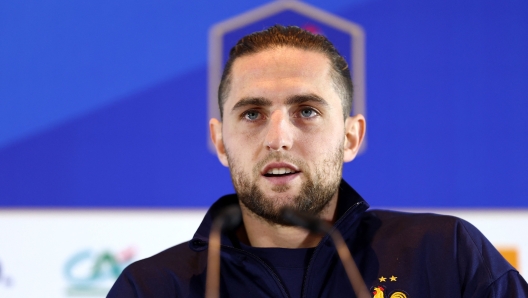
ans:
x=320 y=141
x=244 y=133
x=243 y=144
x=251 y=136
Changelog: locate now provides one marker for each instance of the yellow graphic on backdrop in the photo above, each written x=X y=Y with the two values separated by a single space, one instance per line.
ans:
x=511 y=254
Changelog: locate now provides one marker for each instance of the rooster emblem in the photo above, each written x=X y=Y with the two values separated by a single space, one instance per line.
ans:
x=378 y=292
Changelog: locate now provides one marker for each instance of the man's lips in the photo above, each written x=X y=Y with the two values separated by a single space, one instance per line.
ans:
x=279 y=169
x=281 y=179
x=280 y=172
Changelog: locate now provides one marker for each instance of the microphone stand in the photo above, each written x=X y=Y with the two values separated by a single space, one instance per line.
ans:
x=316 y=225
x=228 y=218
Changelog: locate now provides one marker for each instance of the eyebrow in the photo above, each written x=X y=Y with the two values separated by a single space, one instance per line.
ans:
x=299 y=99
x=252 y=101
x=293 y=100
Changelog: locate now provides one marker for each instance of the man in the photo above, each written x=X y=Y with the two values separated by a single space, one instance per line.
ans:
x=284 y=133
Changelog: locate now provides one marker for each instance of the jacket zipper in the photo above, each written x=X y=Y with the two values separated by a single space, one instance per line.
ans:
x=260 y=261
x=318 y=248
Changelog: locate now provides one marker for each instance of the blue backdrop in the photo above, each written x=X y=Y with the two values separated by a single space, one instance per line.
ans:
x=103 y=103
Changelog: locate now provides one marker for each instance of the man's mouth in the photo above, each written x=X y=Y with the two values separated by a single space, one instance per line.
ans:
x=279 y=172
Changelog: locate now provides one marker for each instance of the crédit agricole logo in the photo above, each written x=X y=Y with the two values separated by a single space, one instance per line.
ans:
x=90 y=273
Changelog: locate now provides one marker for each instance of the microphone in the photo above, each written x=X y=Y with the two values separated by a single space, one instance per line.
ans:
x=316 y=225
x=227 y=219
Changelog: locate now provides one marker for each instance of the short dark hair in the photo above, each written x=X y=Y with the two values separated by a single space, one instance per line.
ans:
x=295 y=37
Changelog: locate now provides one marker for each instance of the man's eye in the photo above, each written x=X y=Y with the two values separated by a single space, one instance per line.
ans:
x=308 y=113
x=252 y=115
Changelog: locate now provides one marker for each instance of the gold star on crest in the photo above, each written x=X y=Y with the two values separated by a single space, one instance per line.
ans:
x=393 y=278
x=382 y=279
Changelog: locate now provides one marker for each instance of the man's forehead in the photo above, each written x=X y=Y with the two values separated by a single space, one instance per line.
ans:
x=277 y=64
x=277 y=56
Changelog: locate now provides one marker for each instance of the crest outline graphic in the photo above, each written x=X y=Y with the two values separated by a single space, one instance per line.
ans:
x=216 y=53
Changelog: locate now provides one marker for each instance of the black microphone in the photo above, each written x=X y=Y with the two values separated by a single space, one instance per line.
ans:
x=316 y=225
x=228 y=219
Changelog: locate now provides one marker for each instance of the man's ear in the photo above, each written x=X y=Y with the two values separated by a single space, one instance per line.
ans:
x=215 y=129
x=354 y=133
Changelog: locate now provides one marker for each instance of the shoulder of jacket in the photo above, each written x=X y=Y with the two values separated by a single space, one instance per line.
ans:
x=177 y=261
x=395 y=217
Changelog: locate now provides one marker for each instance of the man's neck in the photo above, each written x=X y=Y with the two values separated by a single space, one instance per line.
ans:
x=261 y=233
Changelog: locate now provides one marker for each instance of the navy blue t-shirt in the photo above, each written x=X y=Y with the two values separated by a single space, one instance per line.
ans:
x=289 y=264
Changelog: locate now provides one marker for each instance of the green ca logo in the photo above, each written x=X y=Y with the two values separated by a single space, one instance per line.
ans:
x=90 y=273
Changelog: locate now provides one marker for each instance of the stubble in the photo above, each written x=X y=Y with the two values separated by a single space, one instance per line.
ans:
x=320 y=185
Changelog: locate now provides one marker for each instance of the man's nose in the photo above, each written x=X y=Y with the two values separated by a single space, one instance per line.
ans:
x=279 y=135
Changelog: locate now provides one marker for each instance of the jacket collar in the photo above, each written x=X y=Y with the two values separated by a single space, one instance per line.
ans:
x=349 y=204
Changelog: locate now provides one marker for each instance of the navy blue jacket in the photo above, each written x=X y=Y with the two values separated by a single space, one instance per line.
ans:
x=399 y=255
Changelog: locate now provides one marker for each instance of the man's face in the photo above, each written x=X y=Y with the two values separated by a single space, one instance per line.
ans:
x=283 y=134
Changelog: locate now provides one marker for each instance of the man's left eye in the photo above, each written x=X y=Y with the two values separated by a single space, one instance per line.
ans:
x=307 y=113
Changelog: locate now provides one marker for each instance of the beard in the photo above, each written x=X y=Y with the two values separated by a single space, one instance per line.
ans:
x=317 y=190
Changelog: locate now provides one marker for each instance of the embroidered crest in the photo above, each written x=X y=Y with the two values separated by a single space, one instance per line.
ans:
x=379 y=291
x=398 y=294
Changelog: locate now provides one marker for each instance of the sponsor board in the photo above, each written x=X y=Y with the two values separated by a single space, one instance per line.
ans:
x=73 y=253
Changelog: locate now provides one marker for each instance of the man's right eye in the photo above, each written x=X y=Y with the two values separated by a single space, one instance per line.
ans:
x=251 y=115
